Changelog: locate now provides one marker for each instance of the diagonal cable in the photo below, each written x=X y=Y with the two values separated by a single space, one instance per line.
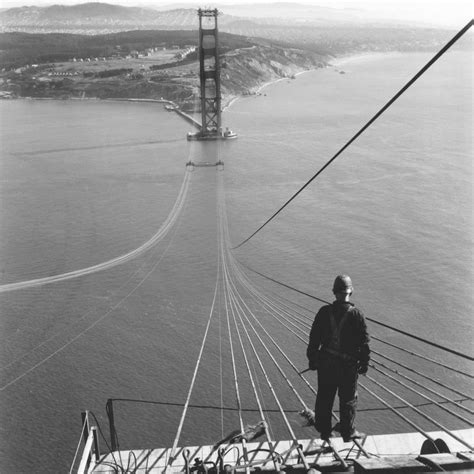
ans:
x=367 y=125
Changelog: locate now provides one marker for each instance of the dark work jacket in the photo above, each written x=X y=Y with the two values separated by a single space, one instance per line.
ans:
x=354 y=339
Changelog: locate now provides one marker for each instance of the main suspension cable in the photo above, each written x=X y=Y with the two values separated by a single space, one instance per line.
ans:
x=367 y=125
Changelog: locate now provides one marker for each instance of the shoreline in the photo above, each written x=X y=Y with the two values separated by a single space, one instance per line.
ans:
x=362 y=57
x=334 y=62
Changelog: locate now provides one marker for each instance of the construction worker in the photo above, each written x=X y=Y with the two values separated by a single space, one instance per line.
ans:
x=339 y=350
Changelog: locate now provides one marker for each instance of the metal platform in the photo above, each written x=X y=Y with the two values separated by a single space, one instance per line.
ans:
x=393 y=452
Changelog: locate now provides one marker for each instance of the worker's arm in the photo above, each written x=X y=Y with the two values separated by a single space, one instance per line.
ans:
x=364 y=348
x=312 y=351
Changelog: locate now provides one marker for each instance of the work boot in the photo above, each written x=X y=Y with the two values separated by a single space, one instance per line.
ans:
x=355 y=435
x=326 y=436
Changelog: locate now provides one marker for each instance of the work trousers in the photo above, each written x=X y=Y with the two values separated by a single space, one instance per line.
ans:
x=336 y=375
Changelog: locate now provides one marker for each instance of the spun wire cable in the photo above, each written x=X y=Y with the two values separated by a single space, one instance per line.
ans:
x=140 y=270
x=236 y=383
x=193 y=380
x=298 y=396
x=449 y=400
x=221 y=374
x=399 y=414
x=367 y=125
x=430 y=378
x=226 y=281
x=305 y=407
x=421 y=374
x=402 y=374
x=385 y=325
x=265 y=301
x=443 y=407
x=282 y=412
x=433 y=402
x=424 y=415
x=400 y=348
x=196 y=368
x=270 y=385
x=222 y=227
x=453 y=369
x=159 y=235
x=97 y=321
x=228 y=310
x=260 y=408
x=386 y=404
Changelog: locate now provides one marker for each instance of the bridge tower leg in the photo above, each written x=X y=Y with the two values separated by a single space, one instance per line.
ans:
x=209 y=74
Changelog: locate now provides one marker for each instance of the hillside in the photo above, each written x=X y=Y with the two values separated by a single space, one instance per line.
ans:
x=144 y=64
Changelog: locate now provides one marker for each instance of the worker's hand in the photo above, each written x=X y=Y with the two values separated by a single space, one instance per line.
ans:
x=362 y=368
x=313 y=364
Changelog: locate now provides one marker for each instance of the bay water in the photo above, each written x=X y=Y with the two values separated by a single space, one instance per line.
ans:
x=83 y=182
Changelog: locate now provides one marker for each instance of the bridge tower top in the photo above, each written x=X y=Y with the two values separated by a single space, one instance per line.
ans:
x=209 y=73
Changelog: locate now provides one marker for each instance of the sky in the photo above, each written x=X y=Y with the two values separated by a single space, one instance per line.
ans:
x=453 y=13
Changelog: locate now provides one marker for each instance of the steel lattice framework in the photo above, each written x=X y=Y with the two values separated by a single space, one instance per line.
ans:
x=209 y=73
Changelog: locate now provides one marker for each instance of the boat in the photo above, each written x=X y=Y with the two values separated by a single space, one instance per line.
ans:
x=211 y=136
x=229 y=134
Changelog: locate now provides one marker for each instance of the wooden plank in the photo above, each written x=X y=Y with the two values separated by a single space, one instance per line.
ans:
x=446 y=461
x=392 y=464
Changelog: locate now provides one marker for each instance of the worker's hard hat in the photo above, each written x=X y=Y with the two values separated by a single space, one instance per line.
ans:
x=342 y=284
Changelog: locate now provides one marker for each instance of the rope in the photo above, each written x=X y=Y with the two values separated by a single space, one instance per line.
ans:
x=367 y=125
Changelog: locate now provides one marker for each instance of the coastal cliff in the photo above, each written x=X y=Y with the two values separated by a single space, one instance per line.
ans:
x=245 y=67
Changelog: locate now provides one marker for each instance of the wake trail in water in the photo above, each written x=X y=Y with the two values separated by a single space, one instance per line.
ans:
x=95 y=147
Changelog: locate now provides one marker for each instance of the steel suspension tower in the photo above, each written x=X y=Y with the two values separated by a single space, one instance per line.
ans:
x=210 y=79
x=209 y=72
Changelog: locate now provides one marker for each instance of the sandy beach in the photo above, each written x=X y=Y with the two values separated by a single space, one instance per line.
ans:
x=335 y=62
